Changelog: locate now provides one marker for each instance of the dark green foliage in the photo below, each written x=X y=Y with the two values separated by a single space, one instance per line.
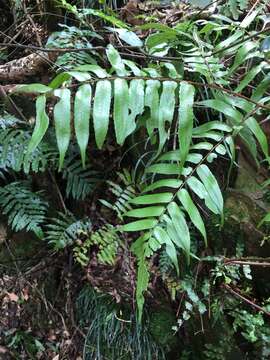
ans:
x=26 y=210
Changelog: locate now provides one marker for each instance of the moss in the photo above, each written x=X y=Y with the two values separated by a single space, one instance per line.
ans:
x=160 y=327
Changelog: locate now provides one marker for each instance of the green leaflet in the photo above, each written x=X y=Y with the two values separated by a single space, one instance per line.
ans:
x=116 y=61
x=241 y=55
x=229 y=40
x=59 y=80
x=192 y=211
x=97 y=70
x=224 y=108
x=62 y=122
x=211 y=125
x=152 y=199
x=136 y=102
x=32 y=88
x=178 y=228
x=152 y=101
x=202 y=146
x=255 y=128
x=265 y=219
x=143 y=275
x=143 y=278
x=171 y=183
x=185 y=119
x=166 y=110
x=261 y=89
x=140 y=225
x=198 y=188
x=174 y=155
x=249 y=77
x=163 y=238
x=79 y=76
x=165 y=169
x=41 y=125
x=101 y=110
x=211 y=186
x=120 y=110
x=82 y=107
x=148 y=211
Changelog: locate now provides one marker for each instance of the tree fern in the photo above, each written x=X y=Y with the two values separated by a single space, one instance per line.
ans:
x=26 y=210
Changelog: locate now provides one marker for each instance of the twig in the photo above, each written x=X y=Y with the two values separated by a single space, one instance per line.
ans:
x=240 y=296
x=251 y=263
x=4 y=94
x=59 y=193
x=33 y=24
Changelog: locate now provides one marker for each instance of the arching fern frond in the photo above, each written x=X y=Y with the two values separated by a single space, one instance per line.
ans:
x=132 y=91
x=161 y=210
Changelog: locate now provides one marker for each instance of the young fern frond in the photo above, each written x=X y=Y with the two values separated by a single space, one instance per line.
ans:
x=65 y=229
x=106 y=239
x=26 y=210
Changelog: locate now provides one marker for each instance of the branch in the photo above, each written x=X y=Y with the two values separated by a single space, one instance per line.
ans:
x=247 y=301
x=19 y=69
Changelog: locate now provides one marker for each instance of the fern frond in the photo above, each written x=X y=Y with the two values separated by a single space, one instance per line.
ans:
x=80 y=181
x=106 y=239
x=160 y=211
x=26 y=210
x=123 y=194
x=65 y=229
x=13 y=152
x=72 y=37
x=7 y=121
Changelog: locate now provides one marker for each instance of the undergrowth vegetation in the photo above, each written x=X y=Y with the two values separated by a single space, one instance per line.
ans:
x=128 y=165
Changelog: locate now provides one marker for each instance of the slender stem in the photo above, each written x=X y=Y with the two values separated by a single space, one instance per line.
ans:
x=241 y=297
